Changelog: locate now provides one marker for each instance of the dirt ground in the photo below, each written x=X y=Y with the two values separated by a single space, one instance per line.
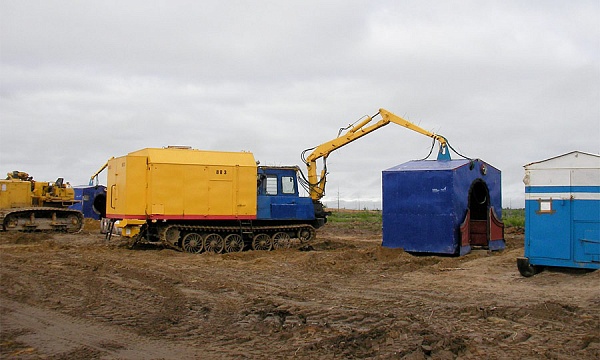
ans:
x=79 y=297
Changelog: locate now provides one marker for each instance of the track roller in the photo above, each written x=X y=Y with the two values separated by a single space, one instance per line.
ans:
x=233 y=243
x=171 y=236
x=281 y=240
x=262 y=242
x=306 y=233
x=192 y=243
x=213 y=243
x=74 y=223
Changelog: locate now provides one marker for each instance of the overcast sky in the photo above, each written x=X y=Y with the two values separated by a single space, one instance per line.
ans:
x=509 y=82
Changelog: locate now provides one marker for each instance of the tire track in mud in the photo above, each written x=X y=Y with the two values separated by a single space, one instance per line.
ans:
x=433 y=311
x=110 y=292
x=144 y=300
x=342 y=300
x=62 y=336
x=288 y=313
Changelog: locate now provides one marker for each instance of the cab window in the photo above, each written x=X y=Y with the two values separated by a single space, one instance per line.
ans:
x=271 y=185
x=287 y=185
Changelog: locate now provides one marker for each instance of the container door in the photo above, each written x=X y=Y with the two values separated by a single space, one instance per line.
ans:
x=479 y=202
x=549 y=230
x=220 y=198
x=496 y=226
x=465 y=232
x=585 y=205
x=587 y=242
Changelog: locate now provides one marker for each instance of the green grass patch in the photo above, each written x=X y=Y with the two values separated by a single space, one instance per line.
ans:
x=355 y=219
x=371 y=219
x=513 y=217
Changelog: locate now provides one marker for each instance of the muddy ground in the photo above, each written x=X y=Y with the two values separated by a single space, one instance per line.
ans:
x=80 y=297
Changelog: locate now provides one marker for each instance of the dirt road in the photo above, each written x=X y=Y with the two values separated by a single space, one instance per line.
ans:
x=79 y=297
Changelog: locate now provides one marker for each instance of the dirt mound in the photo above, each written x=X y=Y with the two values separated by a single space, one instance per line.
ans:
x=18 y=237
x=91 y=225
x=81 y=296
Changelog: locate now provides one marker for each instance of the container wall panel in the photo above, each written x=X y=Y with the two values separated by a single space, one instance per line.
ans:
x=126 y=187
x=425 y=203
x=89 y=197
x=562 y=211
x=556 y=226
x=182 y=184
x=195 y=186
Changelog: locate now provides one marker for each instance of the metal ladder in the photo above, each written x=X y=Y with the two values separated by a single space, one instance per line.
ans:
x=245 y=232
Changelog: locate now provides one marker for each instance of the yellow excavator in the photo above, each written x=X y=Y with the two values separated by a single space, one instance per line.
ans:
x=29 y=205
x=316 y=183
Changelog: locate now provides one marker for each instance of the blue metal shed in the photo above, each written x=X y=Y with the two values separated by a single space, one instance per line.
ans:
x=562 y=213
x=442 y=206
x=92 y=201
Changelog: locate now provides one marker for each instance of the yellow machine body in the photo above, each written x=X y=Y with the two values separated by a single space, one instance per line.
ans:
x=20 y=190
x=28 y=205
x=52 y=194
x=130 y=228
x=182 y=184
x=15 y=193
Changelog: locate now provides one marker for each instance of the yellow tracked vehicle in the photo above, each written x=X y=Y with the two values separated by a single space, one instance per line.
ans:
x=216 y=201
x=29 y=205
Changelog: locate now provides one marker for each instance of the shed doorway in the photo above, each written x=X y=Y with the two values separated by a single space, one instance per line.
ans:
x=481 y=225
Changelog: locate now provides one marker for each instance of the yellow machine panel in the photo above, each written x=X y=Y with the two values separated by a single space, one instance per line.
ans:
x=28 y=205
x=182 y=183
x=14 y=193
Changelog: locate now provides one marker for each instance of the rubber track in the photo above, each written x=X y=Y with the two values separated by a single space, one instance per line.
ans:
x=227 y=229
x=237 y=229
x=4 y=213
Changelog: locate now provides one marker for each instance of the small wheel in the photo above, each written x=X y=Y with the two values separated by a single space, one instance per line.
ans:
x=172 y=235
x=74 y=223
x=262 y=242
x=526 y=269
x=233 y=243
x=10 y=221
x=281 y=240
x=192 y=243
x=306 y=233
x=213 y=243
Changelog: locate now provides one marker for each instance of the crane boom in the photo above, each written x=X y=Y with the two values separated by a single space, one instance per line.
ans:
x=95 y=176
x=317 y=183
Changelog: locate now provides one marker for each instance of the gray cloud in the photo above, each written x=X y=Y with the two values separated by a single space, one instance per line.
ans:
x=507 y=82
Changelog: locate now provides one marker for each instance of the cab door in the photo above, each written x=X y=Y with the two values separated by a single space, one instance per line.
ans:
x=278 y=196
x=284 y=203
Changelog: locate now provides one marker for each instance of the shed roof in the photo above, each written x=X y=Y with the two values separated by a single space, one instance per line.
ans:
x=433 y=165
x=571 y=160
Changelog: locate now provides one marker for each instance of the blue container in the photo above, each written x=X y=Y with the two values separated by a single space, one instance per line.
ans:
x=562 y=213
x=92 y=201
x=442 y=206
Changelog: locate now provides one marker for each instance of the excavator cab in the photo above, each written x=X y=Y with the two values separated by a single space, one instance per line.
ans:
x=278 y=195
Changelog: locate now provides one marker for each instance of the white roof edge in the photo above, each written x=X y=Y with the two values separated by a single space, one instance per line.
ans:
x=558 y=156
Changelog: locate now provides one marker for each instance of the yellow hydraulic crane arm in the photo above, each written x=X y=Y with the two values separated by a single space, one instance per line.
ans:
x=391 y=117
x=95 y=176
x=317 y=183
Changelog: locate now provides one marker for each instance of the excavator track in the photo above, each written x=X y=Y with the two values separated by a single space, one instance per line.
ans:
x=224 y=239
x=41 y=219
